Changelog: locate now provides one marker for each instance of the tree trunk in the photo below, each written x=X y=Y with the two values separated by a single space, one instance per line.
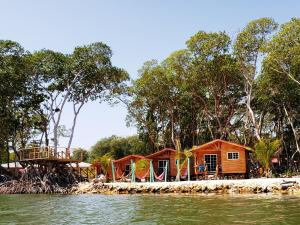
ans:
x=294 y=132
x=7 y=157
x=76 y=112
x=72 y=131
x=57 y=122
x=251 y=115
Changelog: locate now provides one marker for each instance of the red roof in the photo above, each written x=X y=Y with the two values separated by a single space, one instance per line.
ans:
x=130 y=157
x=161 y=152
x=221 y=141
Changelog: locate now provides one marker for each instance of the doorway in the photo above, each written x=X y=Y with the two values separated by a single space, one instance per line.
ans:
x=211 y=162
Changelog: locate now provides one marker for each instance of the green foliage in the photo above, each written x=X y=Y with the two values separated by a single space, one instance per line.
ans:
x=213 y=88
x=264 y=150
x=118 y=147
x=142 y=165
x=80 y=154
x=253 y=39
x=105 y=161
x=192 y=96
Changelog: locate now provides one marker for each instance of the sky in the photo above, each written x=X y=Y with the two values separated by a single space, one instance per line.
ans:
x=136 y=30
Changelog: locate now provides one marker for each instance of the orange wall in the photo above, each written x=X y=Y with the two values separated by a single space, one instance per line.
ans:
x=168 y=155
x=171 y=156
x=233 y=166
x=121 y=165
x=227 y=166
x=199 y=157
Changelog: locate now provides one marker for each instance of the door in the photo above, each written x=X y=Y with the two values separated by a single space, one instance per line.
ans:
x=211 y=162
x=161 y=166
x=127 y=169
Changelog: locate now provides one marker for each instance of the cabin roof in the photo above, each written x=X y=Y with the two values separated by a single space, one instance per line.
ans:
x=12 y=165
x=80 y=165
x=160 y=152
x=221 y=141
x=129 y=157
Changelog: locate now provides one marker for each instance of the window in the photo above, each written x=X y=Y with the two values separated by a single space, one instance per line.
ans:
x=127 y=169
x=233 y=155
x=162 y=165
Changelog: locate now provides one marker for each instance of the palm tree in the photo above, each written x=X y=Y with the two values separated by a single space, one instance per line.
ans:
x=181 y=158
x=264 y=150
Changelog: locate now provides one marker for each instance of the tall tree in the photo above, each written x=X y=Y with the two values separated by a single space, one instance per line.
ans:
x=249 y=47
x=86 y=75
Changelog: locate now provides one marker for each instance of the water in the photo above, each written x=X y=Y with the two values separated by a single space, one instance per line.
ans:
x=149 y=209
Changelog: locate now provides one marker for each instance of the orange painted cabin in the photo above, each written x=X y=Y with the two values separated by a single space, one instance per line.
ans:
x=160 y=158
x=220 y=157
x=123 y=166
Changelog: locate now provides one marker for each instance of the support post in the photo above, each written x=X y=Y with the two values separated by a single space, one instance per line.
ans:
x=188 y=169
x=113 y=171
x=166 y=171
x=178 y=170
x=151 y=172
x=132 y=171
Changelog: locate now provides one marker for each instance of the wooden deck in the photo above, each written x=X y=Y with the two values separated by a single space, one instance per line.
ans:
x=38 y=154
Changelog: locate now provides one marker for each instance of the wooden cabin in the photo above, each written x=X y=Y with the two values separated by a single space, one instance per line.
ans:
x=123 y=166
x=164 y=156
x=221 y=157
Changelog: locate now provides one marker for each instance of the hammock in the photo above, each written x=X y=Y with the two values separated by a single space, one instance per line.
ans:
x=119 y=174
x=126 y=178
x=142 y=176
x=184 y=175
x=160 y=177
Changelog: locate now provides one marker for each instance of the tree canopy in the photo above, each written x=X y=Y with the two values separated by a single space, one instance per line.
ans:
x=241 y=89
x=36 y=87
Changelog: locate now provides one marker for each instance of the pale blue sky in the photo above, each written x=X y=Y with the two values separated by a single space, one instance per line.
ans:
x=136 y=30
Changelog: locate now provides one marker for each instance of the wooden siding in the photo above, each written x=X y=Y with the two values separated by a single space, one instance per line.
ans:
x=199 y=157
x=221 y=149
x=233 y=165
x=120 y=164
x=165 y=155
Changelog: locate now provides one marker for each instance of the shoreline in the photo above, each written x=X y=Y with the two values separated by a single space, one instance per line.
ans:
x=247 y=186
x=238 y=186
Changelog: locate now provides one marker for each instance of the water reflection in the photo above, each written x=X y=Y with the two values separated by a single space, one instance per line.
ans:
x=150 y=209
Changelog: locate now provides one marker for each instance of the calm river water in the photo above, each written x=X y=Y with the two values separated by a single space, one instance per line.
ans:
x=149 y=209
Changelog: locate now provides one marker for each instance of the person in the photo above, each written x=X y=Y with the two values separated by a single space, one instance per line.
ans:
x=202 y=167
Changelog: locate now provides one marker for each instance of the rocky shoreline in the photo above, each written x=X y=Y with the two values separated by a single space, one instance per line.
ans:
x=262 y=185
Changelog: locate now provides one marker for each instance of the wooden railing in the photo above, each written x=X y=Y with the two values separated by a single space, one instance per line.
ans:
x=88 y=173
x=43 y=153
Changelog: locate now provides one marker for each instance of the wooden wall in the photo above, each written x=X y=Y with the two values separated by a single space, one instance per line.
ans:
x=199 y=157
x=221 y=150
x=234 y=165
x=167 y=155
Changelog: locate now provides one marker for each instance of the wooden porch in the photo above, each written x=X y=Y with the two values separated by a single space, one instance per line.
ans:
x=38 y=154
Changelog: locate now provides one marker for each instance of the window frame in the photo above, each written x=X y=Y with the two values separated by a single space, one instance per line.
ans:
x=161 y=169
x=232 y=154
x=210 y=164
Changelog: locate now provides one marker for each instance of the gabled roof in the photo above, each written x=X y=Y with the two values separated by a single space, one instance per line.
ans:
x=161 y=152
x=221 y=141
x=129 y=157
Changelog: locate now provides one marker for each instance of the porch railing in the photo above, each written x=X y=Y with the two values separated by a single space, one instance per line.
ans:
x=44 y=153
